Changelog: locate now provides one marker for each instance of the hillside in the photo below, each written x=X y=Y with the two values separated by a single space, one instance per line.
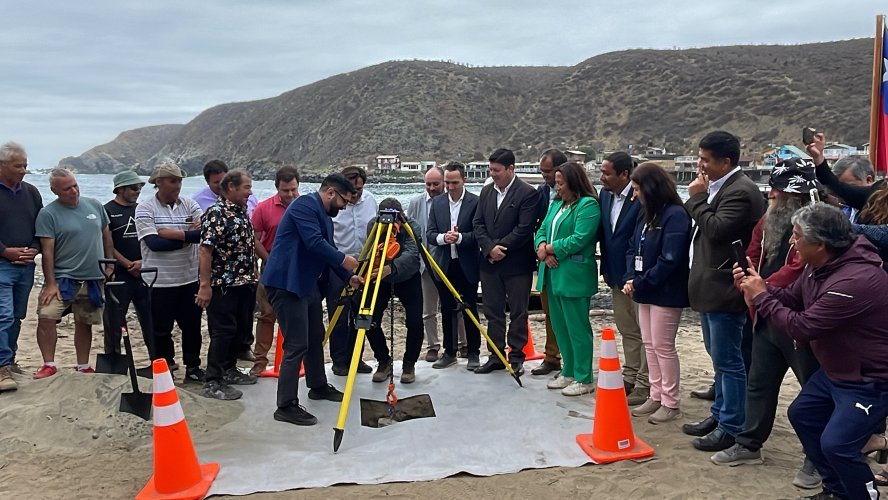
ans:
x=423 y=109
x=128 y=150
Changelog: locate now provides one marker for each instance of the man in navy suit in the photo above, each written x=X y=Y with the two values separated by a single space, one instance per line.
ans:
x=452 y=243
x=504 y=227
x=295 y=278
x=619 y=214
x=548 y=161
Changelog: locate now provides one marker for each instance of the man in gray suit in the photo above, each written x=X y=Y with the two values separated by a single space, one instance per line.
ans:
x=418 y=211
x=504 y=228
x=452 y=244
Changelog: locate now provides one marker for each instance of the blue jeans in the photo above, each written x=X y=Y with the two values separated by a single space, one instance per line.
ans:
x=15 y=286
x=722 y=335
x=833 y=421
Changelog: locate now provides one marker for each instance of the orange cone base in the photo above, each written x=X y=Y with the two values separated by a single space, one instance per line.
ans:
x=208 y=473
x=640 y=450
x=275 y=372
x=532 y=355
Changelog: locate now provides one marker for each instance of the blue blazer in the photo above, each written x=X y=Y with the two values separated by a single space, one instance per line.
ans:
x=615 y=242
x=303 y=250
x=439 y=223
x=663 y=280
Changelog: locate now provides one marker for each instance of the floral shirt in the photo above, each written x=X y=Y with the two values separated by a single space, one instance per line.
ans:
x=226 y=227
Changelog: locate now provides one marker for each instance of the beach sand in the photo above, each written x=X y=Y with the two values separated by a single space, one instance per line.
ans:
x=63 y=437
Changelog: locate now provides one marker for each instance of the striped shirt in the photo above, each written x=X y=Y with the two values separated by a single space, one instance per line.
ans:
x=174 y=267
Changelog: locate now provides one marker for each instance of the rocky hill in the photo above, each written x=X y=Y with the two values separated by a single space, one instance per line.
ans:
x=128 y=150
x=423 y=109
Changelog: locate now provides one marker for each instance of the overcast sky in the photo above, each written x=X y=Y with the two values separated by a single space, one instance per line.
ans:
x=75 y=74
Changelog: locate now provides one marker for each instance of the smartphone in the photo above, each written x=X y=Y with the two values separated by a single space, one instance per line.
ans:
x=740 y=255
x=808 y=135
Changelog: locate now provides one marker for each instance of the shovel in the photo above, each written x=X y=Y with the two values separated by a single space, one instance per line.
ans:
x=113 y=363
x=137 y=402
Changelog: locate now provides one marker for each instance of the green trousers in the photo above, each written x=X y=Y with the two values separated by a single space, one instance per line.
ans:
x=570 y=322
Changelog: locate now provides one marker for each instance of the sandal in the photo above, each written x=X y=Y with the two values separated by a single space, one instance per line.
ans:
x=881 y=449
x=881 y=478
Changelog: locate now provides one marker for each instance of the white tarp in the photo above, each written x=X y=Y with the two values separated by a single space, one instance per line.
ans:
x=485 y=425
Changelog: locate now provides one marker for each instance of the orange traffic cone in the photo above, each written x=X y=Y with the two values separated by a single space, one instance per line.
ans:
x=177 y=473
x=612 y=438
x=278 y=357
x=529 y=351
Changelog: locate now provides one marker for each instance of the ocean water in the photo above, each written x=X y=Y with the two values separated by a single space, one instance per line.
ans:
x=99 y=186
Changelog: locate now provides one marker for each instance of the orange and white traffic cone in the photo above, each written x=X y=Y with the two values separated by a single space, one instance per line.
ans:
x=177 y=473
x=530 y=352
x=612 y=438
x=278 y=357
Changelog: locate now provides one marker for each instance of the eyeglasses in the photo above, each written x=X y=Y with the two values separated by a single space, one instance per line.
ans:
x=135 y=187
x=341 y=196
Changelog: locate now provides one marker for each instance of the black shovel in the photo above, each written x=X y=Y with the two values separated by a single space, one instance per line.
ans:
x=137 y=402
x=113 y=363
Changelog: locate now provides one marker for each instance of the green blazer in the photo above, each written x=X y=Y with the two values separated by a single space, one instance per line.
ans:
x=576 y=235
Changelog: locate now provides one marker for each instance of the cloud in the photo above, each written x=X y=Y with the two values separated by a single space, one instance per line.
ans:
x=76 y=74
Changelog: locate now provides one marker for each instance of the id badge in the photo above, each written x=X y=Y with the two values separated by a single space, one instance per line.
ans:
x=639 y=263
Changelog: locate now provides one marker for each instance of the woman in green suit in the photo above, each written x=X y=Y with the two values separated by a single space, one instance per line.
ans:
x=569 y=274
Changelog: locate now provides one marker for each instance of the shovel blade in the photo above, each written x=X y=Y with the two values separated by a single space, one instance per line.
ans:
x=139 y=404
x=115 y=364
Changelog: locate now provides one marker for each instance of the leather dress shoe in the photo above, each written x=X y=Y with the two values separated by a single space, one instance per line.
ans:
x=546 y=368
x=489 y=366
x=517 y=367
x=716 y=440
x=707 y=394
x=700 y=428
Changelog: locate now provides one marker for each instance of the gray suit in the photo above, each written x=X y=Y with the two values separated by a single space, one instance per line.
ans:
x=418 y=211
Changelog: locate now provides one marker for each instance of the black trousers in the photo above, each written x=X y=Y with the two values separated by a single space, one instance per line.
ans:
x=498 y=292
x=114 y=315
x=343 y=336
x=773 y=353
x=409 y=292
x=449 y=311
x=302 y=322
x=230 y=319
x=176 y=305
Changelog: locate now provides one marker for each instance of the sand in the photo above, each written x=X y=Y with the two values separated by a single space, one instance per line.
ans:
x=63 y=437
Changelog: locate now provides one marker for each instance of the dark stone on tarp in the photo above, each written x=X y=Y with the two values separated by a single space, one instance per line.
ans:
x=376 y=413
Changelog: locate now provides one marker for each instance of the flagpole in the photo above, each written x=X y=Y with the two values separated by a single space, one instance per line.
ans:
x=875 y=100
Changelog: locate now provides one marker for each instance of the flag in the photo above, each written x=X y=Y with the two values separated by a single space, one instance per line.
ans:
x=879 y=136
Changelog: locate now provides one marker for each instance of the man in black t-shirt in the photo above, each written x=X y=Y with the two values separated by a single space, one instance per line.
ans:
x=121 y=211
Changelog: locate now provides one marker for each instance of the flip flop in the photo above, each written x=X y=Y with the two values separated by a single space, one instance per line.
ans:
x=881 y=478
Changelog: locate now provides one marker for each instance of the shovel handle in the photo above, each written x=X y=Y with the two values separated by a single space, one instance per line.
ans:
x=103 y=263
x=124 y=332
x=149 y=270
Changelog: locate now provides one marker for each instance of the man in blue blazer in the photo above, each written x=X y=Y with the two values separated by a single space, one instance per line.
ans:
x=451 y=241
x=295 y=278
x=619 y=215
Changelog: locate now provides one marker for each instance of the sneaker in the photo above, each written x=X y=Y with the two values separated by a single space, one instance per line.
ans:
x=88 y=369
x=647 y=408
x=295 y=415
x=664 y=414
x=577 y=389
x=6 y=381
x=195 y=374
x=638 y=396
x=237 y=377
x=431 y=355
x=474 y=361
x=560 y=382
x=45 y=371
x=738 y=455
x=16 y=368
x=823 y=495
x=807 y=477
x=327 y=393
x=445 y=361
x=408 y=373
x=218 y=389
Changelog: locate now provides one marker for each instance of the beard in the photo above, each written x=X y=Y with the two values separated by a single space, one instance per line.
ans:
x=333 y=211
x=779 y=223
